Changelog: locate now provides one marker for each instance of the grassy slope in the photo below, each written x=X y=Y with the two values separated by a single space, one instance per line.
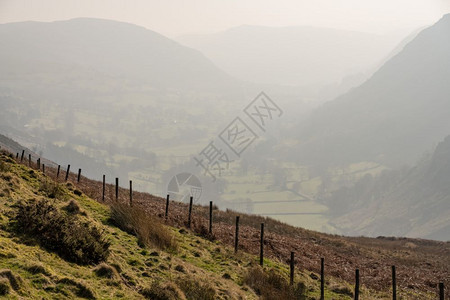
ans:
x=201 y=259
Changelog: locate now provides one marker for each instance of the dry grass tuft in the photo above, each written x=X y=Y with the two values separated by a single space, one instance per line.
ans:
x=37 y=269
x=343 y=290
x=73 y=207
x=4 y=167
x=104 y=270
x=194 y=289
x=149 y=231
x=4 y=286
x=166 y=291
x=82 y=290
x=14 y=281
x=272 y=285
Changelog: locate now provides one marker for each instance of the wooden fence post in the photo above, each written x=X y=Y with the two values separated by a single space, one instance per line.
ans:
x=210 y=216
x=357 y=284
x=29 y=160
x=39 y=163
x=21 y=157
x=43 y=168
x=117 y=188
x=441 y=291
x=167 y=207
x=322 y=278
x=191 y=199
x=79 y=175
x=394 y=284
x=236 y=236
x=292 y=265
x=17 y=155
x=131 y=193
x=57 y=172
x=103 y=189
x=67 y=172
x=261 y=250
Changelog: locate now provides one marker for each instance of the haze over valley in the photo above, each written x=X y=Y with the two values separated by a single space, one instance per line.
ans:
x=363 y=122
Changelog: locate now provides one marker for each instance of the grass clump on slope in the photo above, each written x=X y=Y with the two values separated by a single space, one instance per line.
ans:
x=149 y=231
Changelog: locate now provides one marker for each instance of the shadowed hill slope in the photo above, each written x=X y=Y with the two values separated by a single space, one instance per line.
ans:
x=392 y=118
x=413 y=202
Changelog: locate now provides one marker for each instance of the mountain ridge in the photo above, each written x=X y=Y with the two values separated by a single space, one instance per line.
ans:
x=113 y=47
x=279 y=55
x=395 y=115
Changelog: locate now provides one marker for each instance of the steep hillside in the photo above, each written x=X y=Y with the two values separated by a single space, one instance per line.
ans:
x=393 y=117
x=194 y=264
x=414 y=202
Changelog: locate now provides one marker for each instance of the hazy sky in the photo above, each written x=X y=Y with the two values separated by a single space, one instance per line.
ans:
x=175 y=17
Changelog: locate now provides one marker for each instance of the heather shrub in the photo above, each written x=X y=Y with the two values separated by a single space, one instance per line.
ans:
x=57 y=231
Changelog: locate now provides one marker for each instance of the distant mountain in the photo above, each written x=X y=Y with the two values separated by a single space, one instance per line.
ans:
x=413 y=203
x=394 y=116
x=405 y=41
x=106 y=83
x=292 y=55
x=103 y=48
